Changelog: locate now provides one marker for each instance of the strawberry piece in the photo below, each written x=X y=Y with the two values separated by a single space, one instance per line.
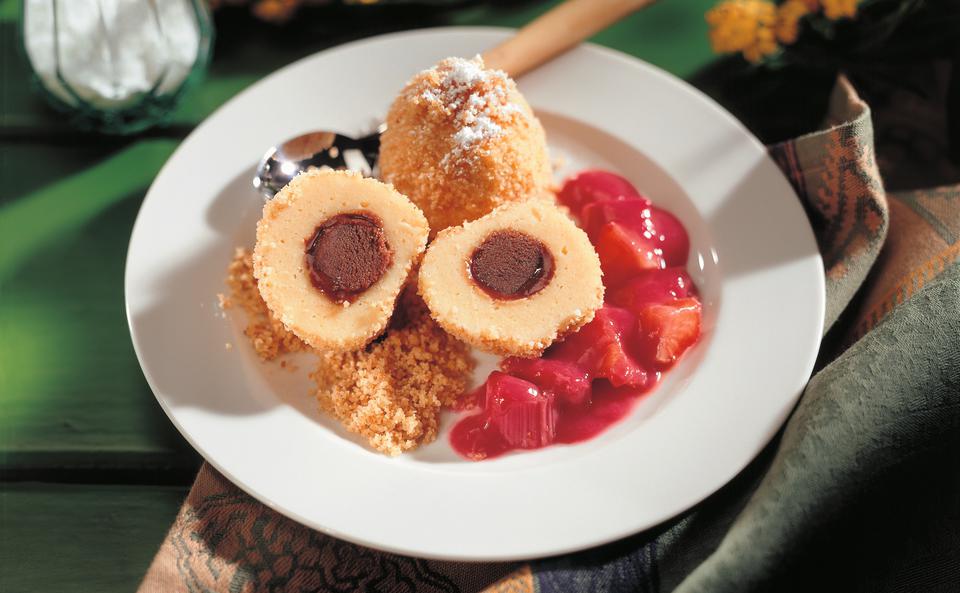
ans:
x=669 y=236
x=569 y=382
x=602 y=348
x=633 y=213
x=669 y=329
x=652 y=287
x=524 y=415
x=594 y=185
x=624 y=254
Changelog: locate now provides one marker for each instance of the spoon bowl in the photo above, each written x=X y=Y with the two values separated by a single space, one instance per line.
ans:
x=319 y=149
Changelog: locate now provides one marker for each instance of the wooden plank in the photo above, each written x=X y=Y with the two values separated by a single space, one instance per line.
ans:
x=81 y=538
x=71 y=391
x=9 y=10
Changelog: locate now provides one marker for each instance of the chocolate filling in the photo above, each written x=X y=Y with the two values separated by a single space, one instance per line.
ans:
x=347 y=254
x=511 y=265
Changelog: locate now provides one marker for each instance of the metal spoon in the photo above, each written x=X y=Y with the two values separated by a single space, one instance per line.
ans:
x=319 y=150
x=540 y=41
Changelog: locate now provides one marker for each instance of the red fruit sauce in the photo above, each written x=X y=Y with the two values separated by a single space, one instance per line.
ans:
x=592 y=379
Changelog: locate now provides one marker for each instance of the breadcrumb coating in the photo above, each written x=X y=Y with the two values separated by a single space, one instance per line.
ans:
x=268 y=336
x=461 y=140
x=392 y=392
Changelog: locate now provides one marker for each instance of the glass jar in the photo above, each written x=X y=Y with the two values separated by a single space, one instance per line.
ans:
x=116 y=66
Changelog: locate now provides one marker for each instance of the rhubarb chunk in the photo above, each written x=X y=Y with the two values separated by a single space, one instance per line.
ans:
x=569 y=382
x=524 y=415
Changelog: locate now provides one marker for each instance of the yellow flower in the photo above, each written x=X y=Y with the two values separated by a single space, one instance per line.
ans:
x=788 y=19
x=275 y=10
x=838 y=9
x=746 y=26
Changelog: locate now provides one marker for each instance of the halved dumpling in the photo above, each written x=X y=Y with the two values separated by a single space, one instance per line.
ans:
x=333 y=251
x=513 y=281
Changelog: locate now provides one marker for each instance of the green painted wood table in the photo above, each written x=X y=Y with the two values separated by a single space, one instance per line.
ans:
x=92 y=471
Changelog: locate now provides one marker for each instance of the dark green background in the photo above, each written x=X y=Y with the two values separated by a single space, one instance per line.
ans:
x=93 y=473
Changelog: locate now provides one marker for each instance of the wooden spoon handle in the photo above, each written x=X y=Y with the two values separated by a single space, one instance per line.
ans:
x=557 y=31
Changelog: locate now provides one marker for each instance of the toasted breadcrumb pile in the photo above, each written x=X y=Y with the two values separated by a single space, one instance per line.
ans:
x=392 y=391
x=267 y=334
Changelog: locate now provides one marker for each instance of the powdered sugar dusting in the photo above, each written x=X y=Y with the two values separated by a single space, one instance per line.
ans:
x=466 y=71
x=476 y=98
x=481 y=128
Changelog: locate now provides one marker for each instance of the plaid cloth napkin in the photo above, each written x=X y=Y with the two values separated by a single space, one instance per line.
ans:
x=860 y=492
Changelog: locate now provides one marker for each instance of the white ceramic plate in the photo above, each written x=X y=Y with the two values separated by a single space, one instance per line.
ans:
x=754 y=258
